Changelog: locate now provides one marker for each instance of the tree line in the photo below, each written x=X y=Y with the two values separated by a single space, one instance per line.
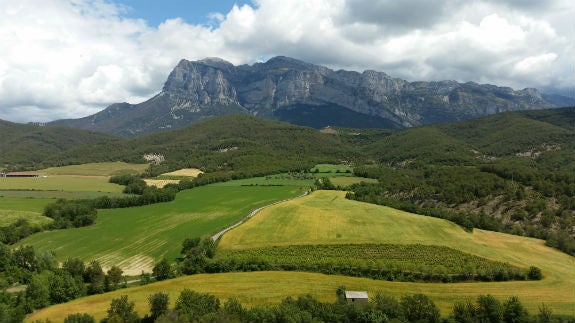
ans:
x=191 y=306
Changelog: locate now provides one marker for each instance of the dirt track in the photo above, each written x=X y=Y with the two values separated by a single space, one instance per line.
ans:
x=216 y=236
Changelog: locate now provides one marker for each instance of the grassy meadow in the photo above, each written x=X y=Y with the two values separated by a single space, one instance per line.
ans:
x=95 y=169
x=133 y=238
x=13 y=209
x=326 y=217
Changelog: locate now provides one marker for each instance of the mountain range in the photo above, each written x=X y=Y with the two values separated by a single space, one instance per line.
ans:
x=301 y=93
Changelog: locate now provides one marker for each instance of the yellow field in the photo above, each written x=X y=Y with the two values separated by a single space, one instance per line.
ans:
x=159 y=183
x=327 y=217
x=186 y=172
x=95 y=169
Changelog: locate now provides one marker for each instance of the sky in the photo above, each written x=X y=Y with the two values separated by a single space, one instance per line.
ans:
x=72 y=58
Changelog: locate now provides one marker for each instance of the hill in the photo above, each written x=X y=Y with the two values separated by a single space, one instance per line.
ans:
x=29 y=146
x=510 y=172
x=236 y=145
x=295 y=91
x=316 y=219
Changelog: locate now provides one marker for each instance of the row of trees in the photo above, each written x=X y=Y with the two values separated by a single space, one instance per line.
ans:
x=47 y=282
x=191 y=306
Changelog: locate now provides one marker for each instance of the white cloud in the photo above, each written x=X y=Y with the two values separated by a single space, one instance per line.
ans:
x=72 y=58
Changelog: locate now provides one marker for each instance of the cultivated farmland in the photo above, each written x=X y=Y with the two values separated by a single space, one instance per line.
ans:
x=134 y=238
x=326 y=217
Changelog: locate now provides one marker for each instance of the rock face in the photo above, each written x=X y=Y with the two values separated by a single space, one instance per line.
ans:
x=306 y=94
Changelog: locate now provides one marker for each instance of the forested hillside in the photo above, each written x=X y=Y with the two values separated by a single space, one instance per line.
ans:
x=29 y=146
x=234 y=145
x=510 y=172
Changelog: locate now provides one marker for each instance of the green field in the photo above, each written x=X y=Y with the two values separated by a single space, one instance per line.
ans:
x=345 y=181
x=331 y=168
x=62 y=183
x=95 y=169
x=134 y=238
x=270 y=288
x=326 y=217
x=271 y=180
x=30 y=209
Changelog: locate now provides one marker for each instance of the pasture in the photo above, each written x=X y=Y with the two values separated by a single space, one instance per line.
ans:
x=346 y=181
x=270 y=288
x=134 y=238
x=95 y=169
x=326 y=217
x=296 y=180
x=59 y=183
x=186 y=172
x=331 y=168
x=14 y=209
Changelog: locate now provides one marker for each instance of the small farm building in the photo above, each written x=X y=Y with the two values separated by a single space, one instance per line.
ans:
x=19 y=175
x=356 y=296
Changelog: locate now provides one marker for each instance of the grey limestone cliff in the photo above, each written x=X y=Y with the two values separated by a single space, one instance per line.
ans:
x=307 y=94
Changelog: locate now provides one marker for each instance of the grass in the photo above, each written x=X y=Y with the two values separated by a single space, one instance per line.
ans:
x=186 y=172
x=346 y=181
x=272 y=180
x=8 y=217
x=331 y=168
x=270 y=288
x=24 y=204
x=134 y=238
x=95 y=169
x=30 y=209
x=326 y=217
x=63 y=183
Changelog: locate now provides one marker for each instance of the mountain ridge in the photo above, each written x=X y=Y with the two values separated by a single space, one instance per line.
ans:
x=288 y=89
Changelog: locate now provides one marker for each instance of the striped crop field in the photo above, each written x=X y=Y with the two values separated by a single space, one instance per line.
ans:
x=134 y=238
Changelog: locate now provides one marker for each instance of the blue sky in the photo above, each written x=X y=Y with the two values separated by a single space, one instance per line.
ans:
x=72 y=58
x=191 y=11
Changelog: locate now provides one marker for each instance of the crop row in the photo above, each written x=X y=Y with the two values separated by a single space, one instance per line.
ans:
x=378 y=261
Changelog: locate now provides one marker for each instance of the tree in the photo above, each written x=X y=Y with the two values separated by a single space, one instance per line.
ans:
x=158 y=305
x=65 y=287
x=122 y=311
x=79 y=318
x=545 y=314
x=113 y=278
x=534 y=273
x=95 y=277
x=489 y=309
x=389 y=305
x=74 y=266
x=419 y=308
x=194 y=305
x=514 y=312
x=162 y=270
x=464 y=312
x=38 y=290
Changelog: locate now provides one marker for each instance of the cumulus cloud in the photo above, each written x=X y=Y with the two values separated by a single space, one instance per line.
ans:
x=72 y=58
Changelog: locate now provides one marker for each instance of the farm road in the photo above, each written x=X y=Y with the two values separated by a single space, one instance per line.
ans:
x=216 y=236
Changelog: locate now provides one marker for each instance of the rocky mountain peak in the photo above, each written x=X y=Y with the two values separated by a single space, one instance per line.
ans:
x=299 y=92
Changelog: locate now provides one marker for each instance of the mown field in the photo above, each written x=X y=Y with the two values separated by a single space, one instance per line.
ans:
x=95 y=169
x=13 y=209
x=326 y=217
x=134 y=238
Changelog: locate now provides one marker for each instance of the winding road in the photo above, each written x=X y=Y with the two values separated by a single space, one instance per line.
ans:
x=218 y=235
